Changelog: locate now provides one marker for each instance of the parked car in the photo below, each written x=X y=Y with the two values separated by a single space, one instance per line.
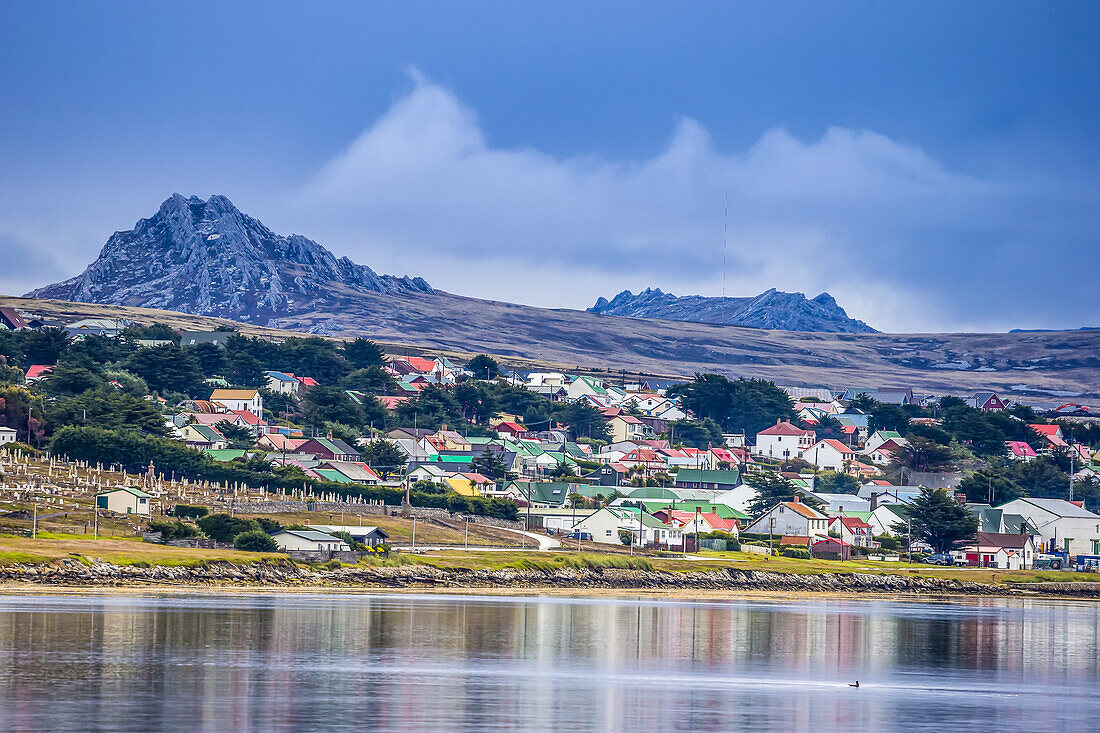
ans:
x=940 y=558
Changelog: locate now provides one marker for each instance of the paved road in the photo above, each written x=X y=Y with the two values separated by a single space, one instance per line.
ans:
x=545 y=542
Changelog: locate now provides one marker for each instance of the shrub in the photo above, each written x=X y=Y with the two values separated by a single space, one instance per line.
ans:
x=798 y=553
x=224 y=528
x=255 y=540
x=171 y=530
x=888 y=542
x=357 y=546
x=186 y=511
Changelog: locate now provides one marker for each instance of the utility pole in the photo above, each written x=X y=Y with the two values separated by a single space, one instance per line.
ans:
x=909 y=538
x=34 y=526
x=1072 y=456
x=466 y=542
x=414 y=535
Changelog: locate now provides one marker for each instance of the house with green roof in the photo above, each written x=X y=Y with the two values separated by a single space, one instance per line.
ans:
x=124 y=500
x=701 y=478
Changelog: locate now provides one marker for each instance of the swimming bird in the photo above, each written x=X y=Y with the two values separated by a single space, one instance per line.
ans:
x=854 y=684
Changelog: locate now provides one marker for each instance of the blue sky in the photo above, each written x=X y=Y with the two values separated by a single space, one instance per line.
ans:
x=933 y=165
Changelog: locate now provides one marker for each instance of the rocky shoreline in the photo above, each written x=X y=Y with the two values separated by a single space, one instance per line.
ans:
x=283 y=573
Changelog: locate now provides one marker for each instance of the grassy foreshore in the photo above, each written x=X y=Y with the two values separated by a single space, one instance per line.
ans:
x=59 y=561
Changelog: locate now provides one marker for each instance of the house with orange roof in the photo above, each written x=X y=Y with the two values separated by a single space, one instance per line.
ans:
x=240 y=399
x=830 y=454
x=791 y=518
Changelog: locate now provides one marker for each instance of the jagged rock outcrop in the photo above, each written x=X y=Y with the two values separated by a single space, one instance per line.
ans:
x=208 y=258
x=771 y=309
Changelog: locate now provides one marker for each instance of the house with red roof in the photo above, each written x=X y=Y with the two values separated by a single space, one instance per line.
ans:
x=1018 y=450
x=1051 y=435
x=784 y=441
x=510 y=429
x=696 y=522
x=36 y=372
x=853 y=531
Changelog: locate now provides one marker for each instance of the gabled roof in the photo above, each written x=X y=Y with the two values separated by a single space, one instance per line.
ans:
x=129 y=490
x=233 y=394
x=1020 y=448
x=783 y=428
x=994 y=539
x=803 y=509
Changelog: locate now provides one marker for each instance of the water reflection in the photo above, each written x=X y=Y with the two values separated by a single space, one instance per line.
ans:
x=403 y=663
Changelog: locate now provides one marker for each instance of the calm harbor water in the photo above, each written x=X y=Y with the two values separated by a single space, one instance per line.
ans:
x=302 y=662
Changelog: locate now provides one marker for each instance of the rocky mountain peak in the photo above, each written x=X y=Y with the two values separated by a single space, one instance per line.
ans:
x=209 y=258
x=772 y=309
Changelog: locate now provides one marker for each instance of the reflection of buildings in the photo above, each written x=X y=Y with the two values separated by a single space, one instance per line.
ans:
x=416 y=662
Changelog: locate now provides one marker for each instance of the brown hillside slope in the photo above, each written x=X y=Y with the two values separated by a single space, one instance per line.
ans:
x=1046 y=366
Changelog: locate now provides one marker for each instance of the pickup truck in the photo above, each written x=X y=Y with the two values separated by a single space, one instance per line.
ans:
x=1049 y=562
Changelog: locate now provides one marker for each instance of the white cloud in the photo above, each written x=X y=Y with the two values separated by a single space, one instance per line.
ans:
x=886 y=228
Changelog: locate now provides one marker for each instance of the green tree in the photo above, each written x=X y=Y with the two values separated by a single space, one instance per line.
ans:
x=745 y=404
x=992 y=485
x=773 y=488
x=169 y=531
x=483 y=366
x=584 y=420
x=72 y=377
x=363 y=353
x=385 y=457
x=703 y=433
x=490 y=464
x=325 y=403
x=476 y=401
x=238 y=436
x=224 y=528
x=373 y=380
x=831 y=482
x=43 y=346
x=169 y=369
x=213 y=361
x=108 y=408
x=937 y=519
x=923 y=454
x=255 y=541
x=22 y=411
x=430 y=408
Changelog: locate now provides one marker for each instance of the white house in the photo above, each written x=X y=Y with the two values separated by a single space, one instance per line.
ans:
x=1005 y=551
x=7 y=435
x=125 y=500
x=829 y=454
x=309 y=539
x=603 y=525
x=249 y=400
x=783 y=441
x=853 y=530
x=627 y=427
x=738 y=498
x=1061 y=525
x=283 y=383
x=791 y=518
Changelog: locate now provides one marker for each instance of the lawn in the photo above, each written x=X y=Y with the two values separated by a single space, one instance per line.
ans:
x=116 y=551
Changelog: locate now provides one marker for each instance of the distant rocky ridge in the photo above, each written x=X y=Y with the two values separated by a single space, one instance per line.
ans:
x=208 y=258
x=771 y=309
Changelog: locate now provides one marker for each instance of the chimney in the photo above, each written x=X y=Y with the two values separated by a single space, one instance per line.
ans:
x=778 y=421
x=795 y=498
x=442 y=427
x=874 y=500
